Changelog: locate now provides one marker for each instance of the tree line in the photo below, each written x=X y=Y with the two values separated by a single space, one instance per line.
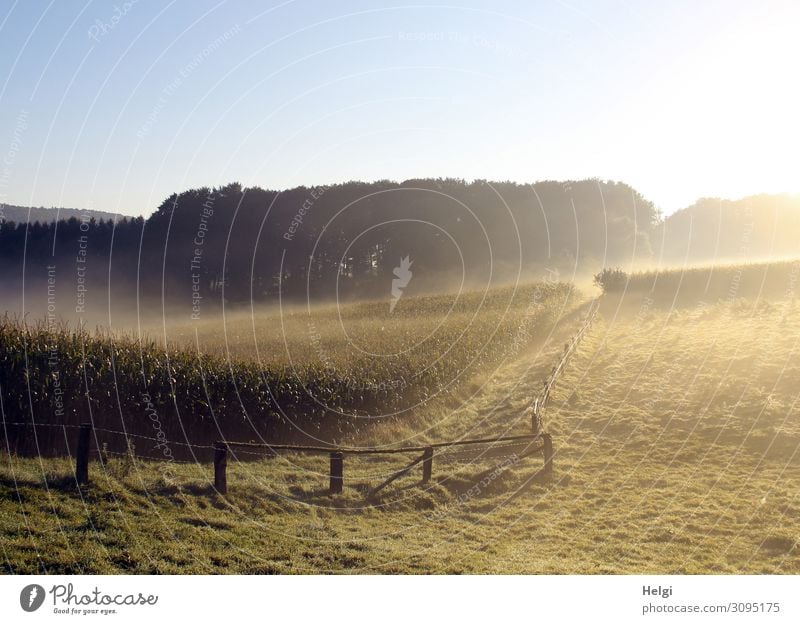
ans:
x=236 y=245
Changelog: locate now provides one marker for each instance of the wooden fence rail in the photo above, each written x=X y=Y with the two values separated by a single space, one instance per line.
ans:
x=336 y=485
x=540 y=401
x=358 y=450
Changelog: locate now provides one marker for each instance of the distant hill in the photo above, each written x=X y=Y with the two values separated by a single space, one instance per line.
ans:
x=20 y=214
x=752 y=228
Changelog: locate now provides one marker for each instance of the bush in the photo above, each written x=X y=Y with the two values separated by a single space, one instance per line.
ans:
x=611 y=280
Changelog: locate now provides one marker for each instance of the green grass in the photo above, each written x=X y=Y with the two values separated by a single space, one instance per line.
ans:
x=677 y=451
x=676 y=433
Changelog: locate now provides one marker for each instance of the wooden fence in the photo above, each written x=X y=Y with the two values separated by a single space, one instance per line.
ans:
x=536 y=441
x=540 y=402
x=521 y=445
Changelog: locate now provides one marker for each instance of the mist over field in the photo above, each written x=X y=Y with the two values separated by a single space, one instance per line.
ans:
x=358 y=288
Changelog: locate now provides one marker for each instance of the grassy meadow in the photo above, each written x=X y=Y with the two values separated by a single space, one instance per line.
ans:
x=676 y=435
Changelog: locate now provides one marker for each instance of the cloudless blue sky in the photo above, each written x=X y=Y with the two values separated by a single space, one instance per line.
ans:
x=680 y=99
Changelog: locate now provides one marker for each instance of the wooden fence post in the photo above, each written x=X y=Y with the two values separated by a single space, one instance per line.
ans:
x=220 y=467
x=427 y=464
x=547 y=451
x=337 y=473
x=82 y=454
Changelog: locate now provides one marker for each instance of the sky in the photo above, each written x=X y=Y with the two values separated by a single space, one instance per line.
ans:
x=115 y=105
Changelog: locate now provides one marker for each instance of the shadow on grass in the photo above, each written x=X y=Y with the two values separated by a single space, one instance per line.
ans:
x=64 y=484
